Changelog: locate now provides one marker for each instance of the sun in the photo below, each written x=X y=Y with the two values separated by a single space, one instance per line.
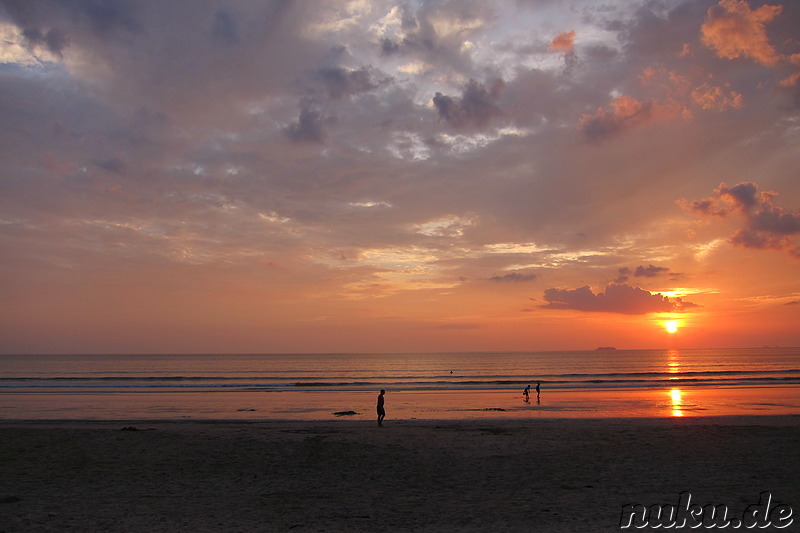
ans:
x=671 y=326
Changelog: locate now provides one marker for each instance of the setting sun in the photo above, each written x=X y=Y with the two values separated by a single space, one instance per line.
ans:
x=671 y=326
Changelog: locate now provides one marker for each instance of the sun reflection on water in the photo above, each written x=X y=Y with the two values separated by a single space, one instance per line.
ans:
x=677 y=403
x=673 y=363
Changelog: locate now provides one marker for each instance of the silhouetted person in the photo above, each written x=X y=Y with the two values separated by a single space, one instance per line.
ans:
x=527 y=393
x=537 y=392
x=381 y=410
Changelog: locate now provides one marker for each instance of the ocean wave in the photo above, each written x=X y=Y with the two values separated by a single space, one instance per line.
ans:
x=645 y=380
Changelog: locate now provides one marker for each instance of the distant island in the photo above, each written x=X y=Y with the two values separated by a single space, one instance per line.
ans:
x=604 y=348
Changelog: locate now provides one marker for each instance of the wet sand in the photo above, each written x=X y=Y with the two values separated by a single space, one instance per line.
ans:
x=348 y=475
x=409 y=405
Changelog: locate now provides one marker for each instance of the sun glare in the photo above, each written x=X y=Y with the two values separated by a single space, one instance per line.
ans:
x=671 y=326
x=677 y=404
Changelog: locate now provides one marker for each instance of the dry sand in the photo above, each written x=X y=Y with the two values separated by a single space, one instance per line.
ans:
x=480 y=475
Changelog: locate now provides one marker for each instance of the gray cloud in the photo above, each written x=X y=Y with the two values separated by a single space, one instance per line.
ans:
x=649 y=271
x=339 y=83
x=308 y=127
x=114 y=164
x=617 y=298
x=475 y=107
x=54 y=39
x=513 y=277
x=767 y=226
x=225 y=29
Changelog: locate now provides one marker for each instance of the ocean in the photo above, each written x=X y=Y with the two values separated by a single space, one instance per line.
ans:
x=597 y=383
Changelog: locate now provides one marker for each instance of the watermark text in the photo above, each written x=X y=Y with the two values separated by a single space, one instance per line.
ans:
x=765 y=513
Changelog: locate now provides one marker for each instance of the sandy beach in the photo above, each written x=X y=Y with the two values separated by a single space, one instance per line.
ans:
x=348 y=475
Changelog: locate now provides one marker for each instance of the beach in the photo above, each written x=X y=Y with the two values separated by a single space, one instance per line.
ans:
x=500 y=474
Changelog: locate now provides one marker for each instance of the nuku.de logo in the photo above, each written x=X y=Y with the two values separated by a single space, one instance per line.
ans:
x=686 y=514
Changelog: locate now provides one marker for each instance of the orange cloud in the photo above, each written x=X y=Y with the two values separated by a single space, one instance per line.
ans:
x=791 y=81
x=715 y=98
x=734 y=30
x=563 y=42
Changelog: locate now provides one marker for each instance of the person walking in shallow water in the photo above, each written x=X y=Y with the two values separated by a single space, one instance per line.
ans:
x=527 y=393
x=381 y=410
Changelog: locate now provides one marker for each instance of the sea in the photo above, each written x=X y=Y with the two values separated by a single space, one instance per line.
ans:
x=331 y=386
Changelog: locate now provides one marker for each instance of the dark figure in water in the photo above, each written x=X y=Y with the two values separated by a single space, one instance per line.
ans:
x=381 y=410
x=537 y=392
x=527 y=393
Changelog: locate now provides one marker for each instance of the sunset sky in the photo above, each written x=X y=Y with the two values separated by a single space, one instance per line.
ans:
x=328 y=176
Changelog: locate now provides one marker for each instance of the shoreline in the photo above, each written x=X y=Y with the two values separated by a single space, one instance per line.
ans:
x=544 y=474
x=403 y=404
x=730 y=419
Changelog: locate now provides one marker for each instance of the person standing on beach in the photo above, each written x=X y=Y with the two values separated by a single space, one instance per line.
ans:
x=537 y=392
x=527 y=393
x=381 y=410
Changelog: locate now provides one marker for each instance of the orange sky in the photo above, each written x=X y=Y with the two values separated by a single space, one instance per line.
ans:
x=390 y=176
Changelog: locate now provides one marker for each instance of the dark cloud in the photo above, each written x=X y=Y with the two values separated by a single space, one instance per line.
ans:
x=641 y=271
x=104 y=19
x=617 y=298
x=109 y=18
x=767 y=226
x=114 y=164
x=649 y=271
x=309 y=126
x=513 y=277
x=54 y=39
x=624 y=273
x=389 y=47
x=224 y=30
x=338 y=82
x=476 y=107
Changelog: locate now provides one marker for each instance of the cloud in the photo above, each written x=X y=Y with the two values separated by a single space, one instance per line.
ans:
x=513 y=277
x=734 y=30
x=225 y=30
x=641 y=271
x=714 y=98
x=476 y=107
x=624 y=273
x=617 y=298
x=308 y=127
x=767 y=226
x=113 y=164
x=649 y=271
x=565 y=43
x=339 y=82
x=625 y=112
x=54 y=39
